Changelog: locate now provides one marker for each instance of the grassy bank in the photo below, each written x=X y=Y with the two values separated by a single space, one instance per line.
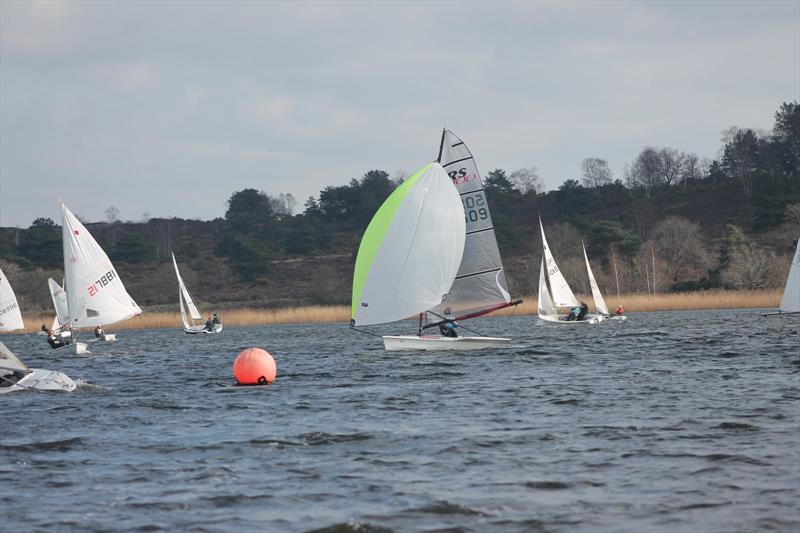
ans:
x=341 y=313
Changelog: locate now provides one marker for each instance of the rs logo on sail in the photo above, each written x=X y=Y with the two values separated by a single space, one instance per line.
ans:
x=104 y=280
x=460 y=176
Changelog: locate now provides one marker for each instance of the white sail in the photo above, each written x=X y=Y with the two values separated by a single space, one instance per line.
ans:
x=790 y=302
x=59 y=296
x=184 y=296
x=562 y=294
x=599 y=302
x=10 y=315
x=95 y=293
x=411 y=250
x=480 y=283
x=9 y=361
x=545 y=302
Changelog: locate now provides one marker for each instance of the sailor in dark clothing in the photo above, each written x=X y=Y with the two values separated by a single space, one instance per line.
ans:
x=209 y=324
x=583 y=311
x=216 y=320
x=53 y=340
x=448 y=330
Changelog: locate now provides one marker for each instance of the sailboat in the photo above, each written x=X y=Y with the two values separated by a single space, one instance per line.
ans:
x=559 y=293
x=480 y=286
x=790 y=301
x=597 y=296
x=10 y=315
x=15 y=376
x=61 y=327
x=95 y=293
x=186 y=302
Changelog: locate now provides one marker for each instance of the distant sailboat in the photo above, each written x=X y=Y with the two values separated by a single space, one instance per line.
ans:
x=597 y=296
x=15 y=376
x=790 y=301
x=187 y=303
x=409 y=256
x=10 y=315
x=558 y=294
x=95 y=293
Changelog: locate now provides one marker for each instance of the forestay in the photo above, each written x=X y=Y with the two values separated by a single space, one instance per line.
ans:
x=411 y=250
x=562 y=294
x=59 y=296
x=545 y=302
x=10 y=315
x=95 y=293
x=9 y=361
x=599 y=302
x=790 y=302
x=184 y=296
x=480 y=285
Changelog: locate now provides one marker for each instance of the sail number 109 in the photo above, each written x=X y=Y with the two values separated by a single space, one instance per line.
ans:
x=104 y=280
x=474 y=208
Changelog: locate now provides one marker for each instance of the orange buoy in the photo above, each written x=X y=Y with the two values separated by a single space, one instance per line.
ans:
x=254 y=366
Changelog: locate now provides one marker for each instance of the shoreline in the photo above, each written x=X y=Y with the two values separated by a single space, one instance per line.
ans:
x=317 y=314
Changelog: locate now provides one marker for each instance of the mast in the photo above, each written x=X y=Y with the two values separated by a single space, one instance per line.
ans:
x=441 y=146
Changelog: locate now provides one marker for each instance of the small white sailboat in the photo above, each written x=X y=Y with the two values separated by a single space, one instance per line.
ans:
x=409 y=256
x=597 y=296
x=790 y=301
x=95 y=293
x=10 y=314
x=559 y=293
x=61 y=327
x=15 y=376
x=187 y=303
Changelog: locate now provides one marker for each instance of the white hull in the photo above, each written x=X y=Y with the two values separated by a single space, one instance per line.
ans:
x=437 y=343
x=78 y=348
x=43 y=380
x=107 y=337
x=196 y=330
x=561 y=320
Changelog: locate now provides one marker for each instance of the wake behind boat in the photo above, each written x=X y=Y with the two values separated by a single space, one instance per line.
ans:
x=214 y=325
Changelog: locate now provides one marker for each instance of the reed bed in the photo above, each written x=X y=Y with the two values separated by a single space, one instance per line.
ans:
x=717 y=299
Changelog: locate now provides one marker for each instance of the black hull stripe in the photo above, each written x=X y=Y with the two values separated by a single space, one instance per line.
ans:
x=457 y=161
x=479 y=273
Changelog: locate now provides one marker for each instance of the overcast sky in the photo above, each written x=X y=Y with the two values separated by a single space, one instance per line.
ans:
x=169 y=107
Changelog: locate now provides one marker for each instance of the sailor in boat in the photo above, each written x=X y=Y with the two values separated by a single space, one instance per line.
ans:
x=52 y=338
x=573 y=314
x=619 y=311
x=584 y=310
x=209 y=324
x=216 y=320
x=448 y=330
x=98 y=332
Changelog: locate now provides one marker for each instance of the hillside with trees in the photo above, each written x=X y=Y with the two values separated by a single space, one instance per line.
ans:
x=672 y=222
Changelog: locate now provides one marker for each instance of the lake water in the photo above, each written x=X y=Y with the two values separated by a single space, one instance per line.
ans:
x=668 y=422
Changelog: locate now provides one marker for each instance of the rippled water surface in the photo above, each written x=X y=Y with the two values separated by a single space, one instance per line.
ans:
x=670 y=422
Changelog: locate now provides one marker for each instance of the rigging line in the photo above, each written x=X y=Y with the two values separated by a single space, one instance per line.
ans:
x=441 y=146
x=457 y=161
x=459 y=325
x=365 y=331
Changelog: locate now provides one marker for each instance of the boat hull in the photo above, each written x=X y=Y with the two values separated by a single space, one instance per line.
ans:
x=78 y=348
x=198 y=330
x=437 y=343
x=561 y=320
x=42 y=380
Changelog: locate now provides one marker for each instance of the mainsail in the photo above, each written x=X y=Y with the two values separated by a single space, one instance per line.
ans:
x=9 y=361
x=599 y=302
x=562 y=294
x=545 y=302
x=59 y=296
x=184 y=296
x=480 y=285
x=10 y=315
x=790 y=302
x=411 y=250
x=95 y=293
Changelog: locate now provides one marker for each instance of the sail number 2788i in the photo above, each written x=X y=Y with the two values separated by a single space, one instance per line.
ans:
x=104 y=280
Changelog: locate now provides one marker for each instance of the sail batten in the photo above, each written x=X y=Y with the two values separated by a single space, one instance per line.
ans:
x=10 y=315
x=480 y=285
x=95 y=293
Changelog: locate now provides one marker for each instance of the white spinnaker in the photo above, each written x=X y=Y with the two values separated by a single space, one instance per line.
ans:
x=790 y=302
x=599 y=302
x=562 y=294
x=184 y=296
x=10 y=315
x=59 y=296
x=9 y=361
x=480 y=283
x=545 y=302
x=420 y=253
x=95 y=293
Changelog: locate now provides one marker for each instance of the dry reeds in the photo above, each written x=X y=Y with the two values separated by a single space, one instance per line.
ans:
x=717 y=299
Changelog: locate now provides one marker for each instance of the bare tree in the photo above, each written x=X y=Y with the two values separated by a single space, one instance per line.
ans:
x=646 y=170
x=596 y=172
x=112 y=214
x=691 y=170
x=750 y=267
x=670 y=165
x=678 y=245
x=526 y=180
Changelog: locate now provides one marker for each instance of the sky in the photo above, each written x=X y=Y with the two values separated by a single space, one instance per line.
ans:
x=167 y=108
